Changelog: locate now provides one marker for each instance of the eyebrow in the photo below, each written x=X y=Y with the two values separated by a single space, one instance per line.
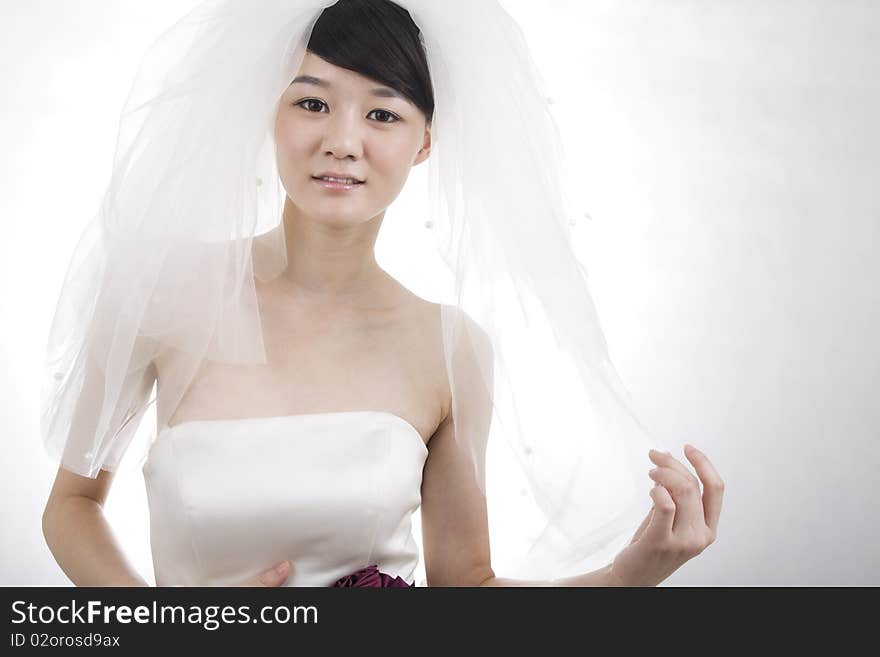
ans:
x=382 y=92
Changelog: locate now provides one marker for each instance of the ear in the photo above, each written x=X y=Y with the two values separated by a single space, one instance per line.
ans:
x=425 y=150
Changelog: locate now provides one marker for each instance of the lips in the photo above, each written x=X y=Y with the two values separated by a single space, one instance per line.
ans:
x=339 y=178
x=339 y=181
x=337 y=186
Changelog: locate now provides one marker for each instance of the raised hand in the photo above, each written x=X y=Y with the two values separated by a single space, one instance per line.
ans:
x=682 y=523
x=275 y=576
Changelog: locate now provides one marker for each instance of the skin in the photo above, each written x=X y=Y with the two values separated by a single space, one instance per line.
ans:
x=334 y=324
x=682 y=523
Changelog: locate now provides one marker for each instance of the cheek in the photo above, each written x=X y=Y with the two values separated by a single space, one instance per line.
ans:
x=290 y=145
x=291 y=137
x=393 y=158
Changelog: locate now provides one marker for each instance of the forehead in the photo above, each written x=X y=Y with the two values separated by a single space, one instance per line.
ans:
x=319 y=73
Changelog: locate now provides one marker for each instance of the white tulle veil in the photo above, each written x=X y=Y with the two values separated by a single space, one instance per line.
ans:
x=192 y=214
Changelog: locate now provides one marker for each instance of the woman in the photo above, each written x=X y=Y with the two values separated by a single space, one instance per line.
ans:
x=308 y=402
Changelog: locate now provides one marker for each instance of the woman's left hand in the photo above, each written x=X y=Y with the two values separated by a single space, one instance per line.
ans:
x=681 y=524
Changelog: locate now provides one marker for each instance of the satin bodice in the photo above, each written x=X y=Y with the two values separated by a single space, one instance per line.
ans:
x=332 y=492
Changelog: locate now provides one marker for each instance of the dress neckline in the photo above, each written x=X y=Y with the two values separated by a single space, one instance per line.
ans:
x=265 y=418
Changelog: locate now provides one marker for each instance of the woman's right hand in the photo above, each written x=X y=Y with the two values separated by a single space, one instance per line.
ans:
x=274 y=576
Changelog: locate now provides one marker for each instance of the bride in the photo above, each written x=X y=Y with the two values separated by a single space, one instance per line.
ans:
x=371 y=402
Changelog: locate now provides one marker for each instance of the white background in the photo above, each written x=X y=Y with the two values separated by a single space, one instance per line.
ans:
x=727 y=154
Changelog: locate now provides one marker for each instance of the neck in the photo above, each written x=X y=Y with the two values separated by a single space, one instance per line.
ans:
x=330 y=262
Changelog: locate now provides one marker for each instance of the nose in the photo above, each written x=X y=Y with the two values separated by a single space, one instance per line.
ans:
x=343 y=137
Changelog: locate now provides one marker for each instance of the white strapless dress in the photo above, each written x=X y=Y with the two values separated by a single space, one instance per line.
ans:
x=333 y=492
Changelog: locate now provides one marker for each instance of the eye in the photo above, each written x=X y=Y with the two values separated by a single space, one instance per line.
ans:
x=308 y=100
x=392 y=118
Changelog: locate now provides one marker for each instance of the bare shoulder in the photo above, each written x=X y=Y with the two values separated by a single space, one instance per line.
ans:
x=472 y=356
x=461 y=327
x=422 y=331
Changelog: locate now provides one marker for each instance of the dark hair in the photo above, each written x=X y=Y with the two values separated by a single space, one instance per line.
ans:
x=380 y=40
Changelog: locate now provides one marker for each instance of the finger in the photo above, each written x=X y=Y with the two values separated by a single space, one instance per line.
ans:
x=668 y=460
x=713 y=486
x=686 y=494
x=275 y=576
x=662 y=518
x=280 y=574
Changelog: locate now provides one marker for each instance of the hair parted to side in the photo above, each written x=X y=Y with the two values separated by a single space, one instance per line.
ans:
x=380 y=40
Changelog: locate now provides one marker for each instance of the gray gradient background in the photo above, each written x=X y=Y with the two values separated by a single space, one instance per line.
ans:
x=727 y=156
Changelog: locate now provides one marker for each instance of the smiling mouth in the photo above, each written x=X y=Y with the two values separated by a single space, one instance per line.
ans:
x=342 y=181
x=335 y=185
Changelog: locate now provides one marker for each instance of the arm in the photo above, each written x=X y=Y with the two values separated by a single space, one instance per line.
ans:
x=74 y=526
x=680 y=525
x=455 y=527
x=455 y=524
x=600 y=577
x=79 y=536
